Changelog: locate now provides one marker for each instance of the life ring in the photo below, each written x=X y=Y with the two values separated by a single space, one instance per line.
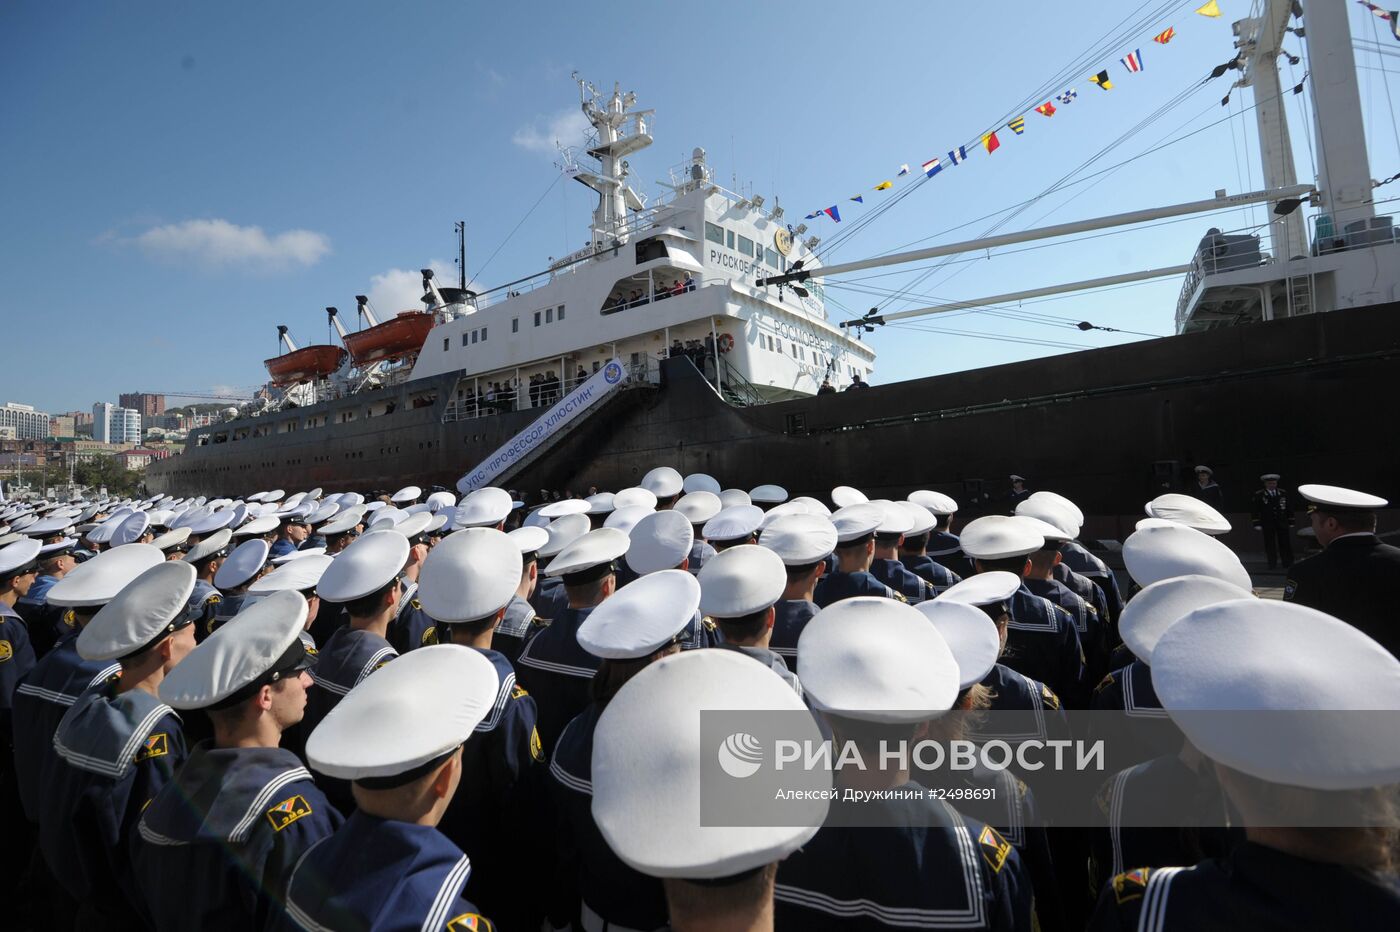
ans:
x=726 y=343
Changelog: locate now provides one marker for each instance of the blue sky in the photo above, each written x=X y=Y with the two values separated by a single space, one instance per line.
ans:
x=178 y=179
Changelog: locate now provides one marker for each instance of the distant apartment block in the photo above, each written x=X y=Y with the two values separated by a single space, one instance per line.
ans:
x=28 y=423
x=114 y=424
x=145 y=403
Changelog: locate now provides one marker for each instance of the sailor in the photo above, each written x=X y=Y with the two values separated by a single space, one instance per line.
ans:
x=664 y=540
x=467 y=585
x=1272 y=514
x=1041 y=639
x=1040 y=580
x=874 y=666
x=1019 y=492
x=18 y=570
x=1355 y=576
x=646 y=776
x=292 y=532
x=406 y=496
x=767 y=496
x=549 y=599
x=738 y=589
x=488 y=507
x=855 y=549
x=943 y=545
x=553 y=666
x=340 y=531
x=411 y=627
x=641 y=624
x=886 y=566
x=218 y=843
x=45 y=622
x=245 y=565
x=119 y=743
x=1206 y=488
x=1077 y=560
x=520 y=615
x=733 y=526
x=600 y=505
x=300 y=575
x=324 y=512
x=206 y=557
x=698 y=508
x=1280 y=877
x=134 y=529
x=174 y=544
x=802 y=542
x=913 y=549
x=207 y=524
x=665 y=483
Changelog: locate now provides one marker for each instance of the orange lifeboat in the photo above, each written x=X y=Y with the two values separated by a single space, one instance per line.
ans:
x=304 y=365
x=392 y=339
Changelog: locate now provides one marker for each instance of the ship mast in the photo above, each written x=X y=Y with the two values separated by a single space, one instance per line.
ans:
x=620 y=131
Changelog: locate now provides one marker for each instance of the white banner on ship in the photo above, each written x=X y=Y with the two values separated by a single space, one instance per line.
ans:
x=543 y=427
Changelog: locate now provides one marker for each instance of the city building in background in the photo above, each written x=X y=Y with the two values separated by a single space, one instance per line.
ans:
x=146 y=404
x=28 y=423
x=62 y=425
x=114 y=424
x=141 y=457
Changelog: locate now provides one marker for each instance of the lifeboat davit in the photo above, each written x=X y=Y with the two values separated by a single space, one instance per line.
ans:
x=304 y=365
x=392 y=339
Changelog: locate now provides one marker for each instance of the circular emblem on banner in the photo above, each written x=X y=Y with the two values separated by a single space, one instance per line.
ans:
x=612 y=373
x=782 y=241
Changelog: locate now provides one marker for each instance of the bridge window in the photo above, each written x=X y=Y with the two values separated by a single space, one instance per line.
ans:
x=714 y=233
x=474 y=335
x=537 y=318
x=549 y=315
x=746 y=246
x=561 y=314
x=771 y=257
x=515 y=325
x=729 y=236
x=483 y=334
x=464 y=338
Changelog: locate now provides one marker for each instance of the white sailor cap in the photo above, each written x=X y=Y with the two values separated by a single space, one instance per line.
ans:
x=896 y=521
x=844 y=495
x=782 y=511
x=768 y=494
x=1148 y=615
x=814 y=506
x=1157 y=553
x=647 y=772
x=923 y=519
x=273 y=496
x=67 y=543
x=856 y=521
x=1015 y=478
x=1336 y=498
x=369 y=564
x=486 y=507
x=161 y=518
x=624 y=519
x=375 y=505
x=1051 y=535
x=298 y=576
x=734 y=523
x=800 y=540
x=701 y=482
x=211 y=546
x=1187 y=510
x=247 y=559
x=259 y=646
x=471 y=575
x=659 y=541
x=1063 y=502
x=409 y=526
x=971 y=636
x=378 y=735
x=149 y=607
x=1270 y=475
x=10 y=538
x=698 y=507
x=594 y=549
x=388 y=515
x=208 y=524
x=528 y=540
x=1263 y=655
x=741 y=581
x=635 y=496
x=600 y=504
x=323 y=513
x=1205 y=469
x=103 y=533
x=408 y=493
x=1052 y=513
x=876 y=660
x=998 y=537
x=265 y=524
x=731 y=497
x=416 y=508
x=641 y=618
x=98 y=581
x=663 y=482
x=172 y=540
x=566 y=506
x=563 y=532
x=47 y=526
x=295 y=555
x=437 y=523
x=25 y=521
x=1154 y=522
x=983 y=588
x=343 y=522
x=350 y=498
x=438 y=501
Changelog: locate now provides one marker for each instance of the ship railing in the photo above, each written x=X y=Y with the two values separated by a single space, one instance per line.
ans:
x=487 y=403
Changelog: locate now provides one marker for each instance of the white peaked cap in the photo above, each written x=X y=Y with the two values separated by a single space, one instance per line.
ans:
x=647 y=772
x=800 y=539
x=469 y=576
x=1337 y=497
x=663 y=482
x=209 y=546
x=698 y=507
x=855 y=521
x=659 y=541
x=440 y=500
x=563 y=532
x=982 y=588
x=1154 y=522
x=1149 y=614
x=642 y=617
x=344 y=520
x=367 y=565
x=1261 y=655
x=741 y=581
x=295 y=555
x=380 y=730
x=733 y=523
x=1052 y=513
x=245 y=561
x=259 y=526
x=768 y=494
x=388 y=515
x=592 y=549
x=324 y=512
x=528 y=539
x=298 y=576
x=636 y=496
x=98 y=581
x=1187 y=510
x=971 y=635
x=923 y=519
x=236 y=655
x=936 y=502
x=624 y=519
x=844 y=495
x=600 y=504
x=565 y=506
x=731 y=497
x=1060 y=500
x=1157 y=553
x=1049 y=533
x=701 y=482
x=484 y=508
x=19 y=553
x=895 y=521
x=998 y=537
x=151 y=605
x=408 y=493
x=876 y=660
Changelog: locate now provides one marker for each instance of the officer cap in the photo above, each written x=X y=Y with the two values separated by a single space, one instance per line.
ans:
x=734 y=523
x=1049 y=533
x=1052 y=513
x=800 y=540
x=242 y=565
x=923 y=519
x=731 y=497
x=856 y=521
x=635 y=496
x=389 y=516
x=1015 y=478
x=407 y=494
x=98 y=581
x=936 y=502
x=971 y=636
x=439 y=501
x=208 y=524
x=659 y=541
x=624 y=519
x=600 y=504
x=998 y=537
x=1205 y=469
x=594 y=549
x=486 y=507
x=528 y=540
x=378 y=735
x=47 y=526
x=768 y=494
x=663 y=482
x=565 y=506
x=983 y=588
x=647 y=771
x=295 y=555
x=896 y=521
x=265 y=524
x=698 y=507
x=212 y=546
x=1261 y=655
x=344 y=521
x=1187 y=510
x=369 y=564
x=409 y=526
x=641 y=618
x=1063 y=502
x=844 y=495
x=1149 y=614
x=298 y=576
x=323 y=513
x=259 y=646
x=741 y=581
x=563 y=532
x=876 y=660
x=701 y=482
x=1157 y=553
x=469 y=576
x=148 y=608
x=67 y=543
x=1270 y=475
x=1335 y=498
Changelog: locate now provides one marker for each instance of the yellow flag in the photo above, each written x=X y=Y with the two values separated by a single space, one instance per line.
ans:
x=1211 y=9
x=883 y=185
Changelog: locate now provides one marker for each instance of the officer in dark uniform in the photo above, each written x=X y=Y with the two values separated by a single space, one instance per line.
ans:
x=1207 y=490
x=206 y=557
x=218 y=843
x=855 y=550
x=1273 y=515
x=1019 y=493
x=389 y=866
x=803 y=542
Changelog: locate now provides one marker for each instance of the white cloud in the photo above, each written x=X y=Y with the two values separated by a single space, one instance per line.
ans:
x=400 y=289
x=219 y=243
x=566 y=126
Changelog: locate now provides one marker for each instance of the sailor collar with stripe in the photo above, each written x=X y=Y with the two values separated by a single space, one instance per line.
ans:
x=349 y=656
x=556 y=649
x=103 y=731
x=572 y=763
x=503 y=694
x=61 y=676
x=516 y=621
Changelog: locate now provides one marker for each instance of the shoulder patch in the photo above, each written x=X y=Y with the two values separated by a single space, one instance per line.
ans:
x=157 y=745
x=710 y=623
x=1131 y=885
x=536 y=745
x=1047 y=696
x=1104 y=683
x=416 y=604
x=429 y=636
x=469 y=922
x=213 y=599
x=539 y=622
x=288 y=811
x=311 y=651
x=899 y=596
x=995 y=849
x=518 y=692
x=70 y=618
x=1289 y=589
x=209 y=626
x=6 y=651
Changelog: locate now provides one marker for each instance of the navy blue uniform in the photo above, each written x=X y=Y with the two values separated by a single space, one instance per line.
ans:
x=346 y=659
x=230 y=604
x=1042 y=643
x=411 y=627
x=557 y=672
x=894 y=574
x=16 y=660
x=926 y=865
x=1129 y=690
x=514 y=626
x=773 y=661
x=834 y=587
x=1076 y=558
x=946 y=550
x=1092 y=630
x=218 y=843
x=1088 y=590
x=383 y=875
x=1043 y=717
x=549 y=600
x=202 y=607
x=118 y=750
x=1355 y=579
x=790 y=616
x=280 y=548
x=588 y=869
x=45 y=621
x=925 y=567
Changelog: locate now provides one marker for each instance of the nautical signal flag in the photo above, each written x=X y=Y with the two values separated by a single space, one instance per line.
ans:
x=1211 y=9
x=833 y=213
x=1101 y=79
x=1133 y=61
x=1067 y=97
x=958 y=155
x=991 y=143
x=1046 y=109
x=932 y=167
x=1017 y=126
x=858 y=199
x=903 y=170
x=1165 y=36
x=883 y=185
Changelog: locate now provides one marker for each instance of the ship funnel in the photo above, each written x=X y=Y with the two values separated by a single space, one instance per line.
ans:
x=362 y=307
